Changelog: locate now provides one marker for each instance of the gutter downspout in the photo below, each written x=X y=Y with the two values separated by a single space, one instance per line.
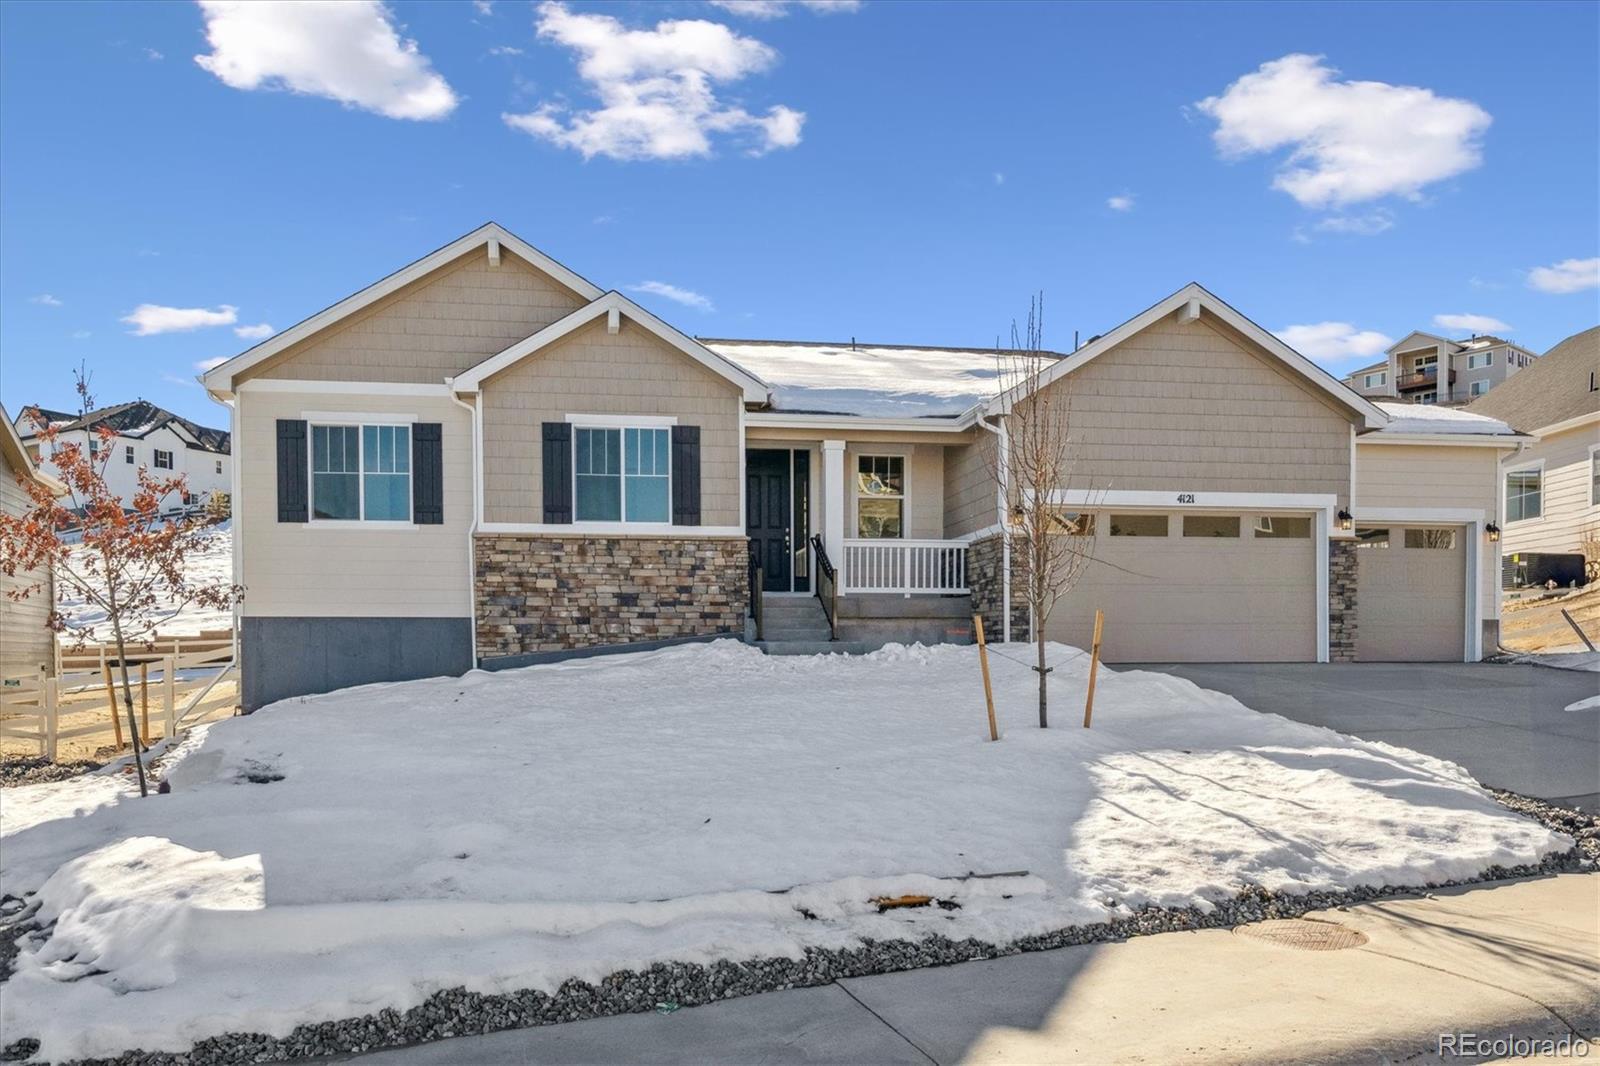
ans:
x=474 y=411
x=1002 y=465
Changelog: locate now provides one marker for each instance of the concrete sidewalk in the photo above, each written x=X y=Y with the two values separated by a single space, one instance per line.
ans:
x=1518 y=957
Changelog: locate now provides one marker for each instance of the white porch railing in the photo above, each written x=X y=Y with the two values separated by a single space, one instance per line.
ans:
x=904 y=566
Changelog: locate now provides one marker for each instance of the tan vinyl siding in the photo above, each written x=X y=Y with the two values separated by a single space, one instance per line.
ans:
x=434 y=328
x=1413 y=476
x=344 y=570
x=1188 y=407
x=25 y=643
x=1567 y=507
x=969 y=487
x=591 y=371
x=924 y=464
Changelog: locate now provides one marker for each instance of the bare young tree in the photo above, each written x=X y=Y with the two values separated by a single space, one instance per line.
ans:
x=1035 y=460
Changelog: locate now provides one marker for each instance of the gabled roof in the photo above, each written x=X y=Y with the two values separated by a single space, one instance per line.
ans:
x=17 y=456
x=612 y=303
x=1404 y=343
x=867 y=380
x=490 y=234
x=27 y=425
x=1551 y=390
x=140 y=418
x=1427 y=419
x=1366 y=370
x=1191 y=300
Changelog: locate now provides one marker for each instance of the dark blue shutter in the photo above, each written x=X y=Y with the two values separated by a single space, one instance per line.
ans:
x=427 y=474
x=686 y=475
x=292 y=468
x=558 y=473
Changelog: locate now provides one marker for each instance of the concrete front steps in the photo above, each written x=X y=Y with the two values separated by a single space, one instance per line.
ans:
x=797 y=625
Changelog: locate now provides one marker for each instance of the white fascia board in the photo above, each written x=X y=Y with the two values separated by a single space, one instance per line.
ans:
x=220 y=378
x=1470 y=440
x=1563 y=426
x=755 y=390
x=846 y=423
x=1178 y=500
x=1342 y=393
x=344 y=388
x=1445 y=516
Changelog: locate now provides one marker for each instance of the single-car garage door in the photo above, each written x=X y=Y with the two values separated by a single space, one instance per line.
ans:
x=1197 y=588
x=1411 y=587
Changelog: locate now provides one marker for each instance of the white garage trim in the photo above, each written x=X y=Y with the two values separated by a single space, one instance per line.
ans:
x=1472 y=520
x=1323 y=504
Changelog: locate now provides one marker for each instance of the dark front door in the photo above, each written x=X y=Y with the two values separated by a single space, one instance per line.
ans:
x=767 y=517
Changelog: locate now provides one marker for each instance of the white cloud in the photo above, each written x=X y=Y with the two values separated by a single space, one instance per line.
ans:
x=253 y=333
x=1349 y=141
x=505 y=50
x=153 y=55
x=1569 y=275
x=777 y=9
x=1121 y=202
x=1334 y=341
x=207 y=364
x=999 y=178
x=174 y=379
x=45 y=299
x=149 y=319
x=656 y=89
x=686 y=297
x=483 y=7
x=1471 y=323
x=344 y=50
x=1367 y=225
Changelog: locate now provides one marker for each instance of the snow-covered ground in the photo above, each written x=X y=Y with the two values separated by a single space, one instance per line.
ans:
x=331 y=856
x=212 y=565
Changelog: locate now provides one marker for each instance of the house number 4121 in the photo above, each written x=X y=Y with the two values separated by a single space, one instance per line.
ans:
x=1185 y=497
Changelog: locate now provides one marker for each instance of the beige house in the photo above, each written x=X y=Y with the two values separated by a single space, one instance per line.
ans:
x=27 y=645
x=1550 y=490
x=1429 y=369
x=485 y=459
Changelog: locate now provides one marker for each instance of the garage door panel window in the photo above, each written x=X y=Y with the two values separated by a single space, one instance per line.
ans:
x=1372 y=538
x=1282 y=527
x=1211 y=525
x=1432 y=539
x=1138 y=525
x=1524 y=495
x=1072 y=523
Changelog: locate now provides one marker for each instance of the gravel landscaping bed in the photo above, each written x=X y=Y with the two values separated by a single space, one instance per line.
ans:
x=457 y=1012
x=38 y=770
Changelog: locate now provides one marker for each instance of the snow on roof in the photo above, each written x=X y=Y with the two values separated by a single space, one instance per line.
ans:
x=873 y=381
x=1428 y=418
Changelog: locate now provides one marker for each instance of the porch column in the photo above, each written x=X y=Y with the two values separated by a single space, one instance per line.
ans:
x=833 y=500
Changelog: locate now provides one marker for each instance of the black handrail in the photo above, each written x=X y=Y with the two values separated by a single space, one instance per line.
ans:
x=754 y=579
x=827 y=574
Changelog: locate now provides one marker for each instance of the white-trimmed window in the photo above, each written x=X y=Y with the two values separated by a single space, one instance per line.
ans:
x=1477 y=359
x=219 y=466
x=622 y=474
x=1427 y=397
x=1594 y=475
x=163 y=460
x=127 y=454
x=1524 y=494
x=880 y=496
x=361 y=473
x=1372 y=381
x=1477 y=388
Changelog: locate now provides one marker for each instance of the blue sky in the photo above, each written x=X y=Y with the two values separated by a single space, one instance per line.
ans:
x=886 y=171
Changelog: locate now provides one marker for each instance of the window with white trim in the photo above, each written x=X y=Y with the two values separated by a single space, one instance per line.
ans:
x=1372 y=381
x=880 y=496
x=1477 y=388
x=1427 y=397
x=622 y=474
x=219 y=466
x=361 y=473
x=1524 y=494
x=127 y=454
x=163 y=460
x=1594 y=476
x=1477 y=359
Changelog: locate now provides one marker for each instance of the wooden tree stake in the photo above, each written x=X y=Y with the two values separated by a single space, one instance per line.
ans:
x=111 y=700
x=144 y=701
x=983 y=660
x=1094 y=666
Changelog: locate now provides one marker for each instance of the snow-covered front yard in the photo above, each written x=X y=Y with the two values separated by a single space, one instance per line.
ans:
x=331 y=856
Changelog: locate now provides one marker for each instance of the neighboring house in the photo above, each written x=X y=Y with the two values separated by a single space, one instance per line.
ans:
x=27 y=645
x=485 y=459
x=1425 y=368
x=146 y=436
x=1551 y=487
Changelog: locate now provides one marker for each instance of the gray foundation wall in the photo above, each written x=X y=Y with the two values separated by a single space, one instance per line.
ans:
x=284 y=657
x=880 y=618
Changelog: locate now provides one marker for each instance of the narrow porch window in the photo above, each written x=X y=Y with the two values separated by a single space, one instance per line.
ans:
x=880 y=496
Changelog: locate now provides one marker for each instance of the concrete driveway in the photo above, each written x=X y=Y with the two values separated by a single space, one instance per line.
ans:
x=1505 y=723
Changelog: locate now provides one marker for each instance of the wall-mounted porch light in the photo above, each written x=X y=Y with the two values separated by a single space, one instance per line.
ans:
x=1347 y=521
x=1493 y=532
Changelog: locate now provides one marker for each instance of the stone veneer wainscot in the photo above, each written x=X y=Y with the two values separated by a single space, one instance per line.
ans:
x=988 y=590
x=545 y=593
x=1343 y=567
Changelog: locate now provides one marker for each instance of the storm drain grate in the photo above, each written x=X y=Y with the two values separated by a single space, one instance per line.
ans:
x=1304 y=934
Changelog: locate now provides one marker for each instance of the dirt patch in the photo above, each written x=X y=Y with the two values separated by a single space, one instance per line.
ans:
x=1537 y=625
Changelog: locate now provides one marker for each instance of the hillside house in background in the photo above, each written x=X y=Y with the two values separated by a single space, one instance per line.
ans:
x=1426 y=368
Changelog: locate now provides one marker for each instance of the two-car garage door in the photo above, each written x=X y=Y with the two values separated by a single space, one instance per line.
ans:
x=1197 y=588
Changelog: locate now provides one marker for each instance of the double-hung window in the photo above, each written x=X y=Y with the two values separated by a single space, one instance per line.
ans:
x=163 y=460
x=1524 y=494
x=127 y=454
x=361 y=473
x=622 y=474
x=880 y=496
